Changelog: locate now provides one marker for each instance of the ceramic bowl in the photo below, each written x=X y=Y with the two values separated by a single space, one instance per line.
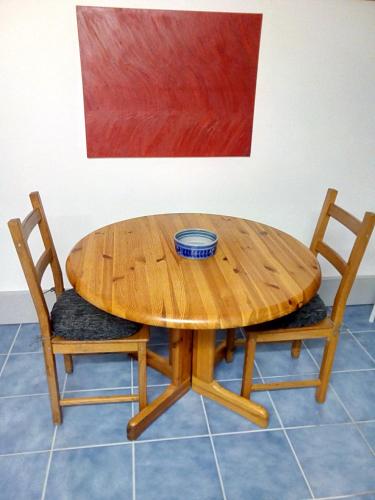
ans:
x=195 y=243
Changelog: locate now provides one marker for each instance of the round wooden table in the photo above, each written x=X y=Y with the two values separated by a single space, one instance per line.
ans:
x=130 y=269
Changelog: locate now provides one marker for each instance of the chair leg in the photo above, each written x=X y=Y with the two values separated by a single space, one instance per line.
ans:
x=53 y=384
x=326 y=367
x=296 y=348
x=142 y=375
x=68 y=363
x=230 y=346
x=248 y=365
x=170 y=350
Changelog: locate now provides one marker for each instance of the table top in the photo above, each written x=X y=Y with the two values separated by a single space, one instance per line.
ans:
x=130 y=269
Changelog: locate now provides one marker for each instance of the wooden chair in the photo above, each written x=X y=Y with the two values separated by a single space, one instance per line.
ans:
x=327 y=328
x=63 y=332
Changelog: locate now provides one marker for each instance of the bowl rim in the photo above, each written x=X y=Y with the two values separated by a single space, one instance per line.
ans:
x=200 y=230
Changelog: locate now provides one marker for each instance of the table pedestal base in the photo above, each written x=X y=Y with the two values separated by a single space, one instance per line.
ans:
x=179 y=369
x=144 y=418
x=244 y=407
x=204 y=383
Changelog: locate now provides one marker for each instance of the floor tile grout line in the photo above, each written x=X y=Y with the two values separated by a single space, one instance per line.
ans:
x=35 y=394
x=10 y=349
x=228 y=379
x=25 y=352
x=351 y=495
x=362 y=347
x=52 y=449
x=214 y=451
x=126 y=443
x=98 y=389
x=113 y=388
x=121 y=443
x=372 y=330
x=214 y=434
x=287 y=437
x=353 y=421
x=86 y=446
x=17 y=453
x=354 y=370
x=266 y=377
x=288 y=428
x=48 y=465
x=176 y=438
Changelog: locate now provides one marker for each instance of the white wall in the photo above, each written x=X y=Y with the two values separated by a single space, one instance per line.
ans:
x=314 y=126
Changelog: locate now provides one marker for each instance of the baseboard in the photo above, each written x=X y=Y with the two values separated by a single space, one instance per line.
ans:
x=363 y=291
x=17 y=307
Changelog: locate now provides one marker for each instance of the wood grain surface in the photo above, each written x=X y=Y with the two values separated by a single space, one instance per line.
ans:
x=131 y=269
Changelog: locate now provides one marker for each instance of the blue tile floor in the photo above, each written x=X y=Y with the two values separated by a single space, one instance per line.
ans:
x=197 y=449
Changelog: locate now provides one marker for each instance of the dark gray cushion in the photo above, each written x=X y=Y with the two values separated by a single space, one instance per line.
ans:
x=311 y=313
x=75 y=319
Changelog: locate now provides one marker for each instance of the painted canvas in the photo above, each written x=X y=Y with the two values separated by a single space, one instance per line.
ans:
x=161 y=83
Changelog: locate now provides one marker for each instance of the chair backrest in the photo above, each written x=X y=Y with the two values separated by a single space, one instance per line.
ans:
x=20 y=231
x=348 y=269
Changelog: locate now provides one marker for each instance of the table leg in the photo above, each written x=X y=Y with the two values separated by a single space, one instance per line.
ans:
x=204 y=383
x=180 y=359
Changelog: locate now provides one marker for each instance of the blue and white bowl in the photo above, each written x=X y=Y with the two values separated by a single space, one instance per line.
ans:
x=195 y=243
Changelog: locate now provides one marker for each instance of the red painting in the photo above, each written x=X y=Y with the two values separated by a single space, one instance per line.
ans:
x=159 y=83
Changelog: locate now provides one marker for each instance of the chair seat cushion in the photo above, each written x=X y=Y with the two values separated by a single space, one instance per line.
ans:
x=311 y=313
x=74 y=318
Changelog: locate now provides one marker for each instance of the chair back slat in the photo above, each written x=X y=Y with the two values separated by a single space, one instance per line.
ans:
x=48 y=243
x=348 y=270
x=323 y=220
x=41 y=265
x=355 y=259
x=347 y=219
x=20 y=232
x=31 y=275
x=30 y=221
x=332 y=256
